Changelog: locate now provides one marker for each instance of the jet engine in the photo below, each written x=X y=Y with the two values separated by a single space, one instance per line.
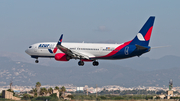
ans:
x=62 y=57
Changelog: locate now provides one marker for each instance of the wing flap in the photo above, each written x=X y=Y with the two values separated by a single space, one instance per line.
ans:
x=73 y=54
x=65 y=50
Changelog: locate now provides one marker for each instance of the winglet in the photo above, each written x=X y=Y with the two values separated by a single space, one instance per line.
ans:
x=60 y=40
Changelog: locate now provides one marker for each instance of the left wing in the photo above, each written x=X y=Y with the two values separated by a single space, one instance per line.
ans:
x=73 y=54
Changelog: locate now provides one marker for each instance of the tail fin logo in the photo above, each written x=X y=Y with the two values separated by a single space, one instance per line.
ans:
x=146 y=37
x=140 y=37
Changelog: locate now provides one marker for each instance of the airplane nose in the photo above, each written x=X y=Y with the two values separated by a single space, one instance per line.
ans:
x=27 y=51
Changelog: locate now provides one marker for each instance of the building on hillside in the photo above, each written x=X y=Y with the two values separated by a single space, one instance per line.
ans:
x=65 y=97
x=169 y=94
x=170 y=91
x=57 y=93
x=9 y=95
x=80 y=89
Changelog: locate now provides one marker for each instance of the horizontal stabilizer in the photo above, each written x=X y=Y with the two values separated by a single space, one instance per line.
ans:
x=138 y=47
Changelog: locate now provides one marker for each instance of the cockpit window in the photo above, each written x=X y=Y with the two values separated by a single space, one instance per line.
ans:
x=30 y=46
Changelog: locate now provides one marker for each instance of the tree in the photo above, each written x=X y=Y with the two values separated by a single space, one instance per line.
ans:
x=38 y=85
x=26 y=97
x=56 y=88
x=34 y=91
x=70 y=96
x=50 y=90
x=11 y=91
x=43 y=91
x=62 y=90
x=35 y=94
x=54 y=95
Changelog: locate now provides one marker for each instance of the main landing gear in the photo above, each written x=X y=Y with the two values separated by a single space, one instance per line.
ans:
x=95 y=63
x=81 y=63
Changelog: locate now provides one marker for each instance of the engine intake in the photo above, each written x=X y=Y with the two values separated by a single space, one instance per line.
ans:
x=62 y=57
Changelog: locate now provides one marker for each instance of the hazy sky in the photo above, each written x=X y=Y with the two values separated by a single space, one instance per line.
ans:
x=24 y=22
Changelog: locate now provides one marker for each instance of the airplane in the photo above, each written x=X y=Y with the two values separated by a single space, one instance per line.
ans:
x=91 y=52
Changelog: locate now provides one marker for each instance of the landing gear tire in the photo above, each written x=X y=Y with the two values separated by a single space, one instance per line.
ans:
x=37 y=61
x=81 y=63
x=95 y=63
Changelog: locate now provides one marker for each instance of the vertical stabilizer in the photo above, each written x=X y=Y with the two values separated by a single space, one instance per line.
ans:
x=60 y=40
x=144 y=35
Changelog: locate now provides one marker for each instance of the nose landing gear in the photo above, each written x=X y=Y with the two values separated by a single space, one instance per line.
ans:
x=36 y=61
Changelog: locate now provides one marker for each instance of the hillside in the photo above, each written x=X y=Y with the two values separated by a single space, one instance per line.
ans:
x=107 y=73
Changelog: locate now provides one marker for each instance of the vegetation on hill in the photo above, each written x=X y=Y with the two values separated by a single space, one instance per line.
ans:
x=2 y=99
x=111 y=97
x=26 y=97
x=45 y=98
x=125 y=92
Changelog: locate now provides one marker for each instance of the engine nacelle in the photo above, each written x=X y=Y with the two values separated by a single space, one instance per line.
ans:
x=62 y=57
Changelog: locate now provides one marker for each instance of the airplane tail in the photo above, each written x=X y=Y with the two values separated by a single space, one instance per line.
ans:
x=144 y=35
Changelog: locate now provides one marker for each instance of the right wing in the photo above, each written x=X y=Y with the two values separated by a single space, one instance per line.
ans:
x=72 y=54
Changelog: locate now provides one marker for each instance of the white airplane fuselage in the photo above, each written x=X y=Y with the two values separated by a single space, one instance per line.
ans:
x=91 y=49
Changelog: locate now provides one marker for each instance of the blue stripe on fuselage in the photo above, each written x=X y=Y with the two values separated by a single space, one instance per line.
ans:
x=127 y=52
